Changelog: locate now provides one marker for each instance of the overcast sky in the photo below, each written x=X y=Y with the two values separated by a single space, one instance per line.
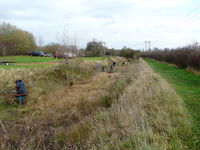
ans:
x=166 y=23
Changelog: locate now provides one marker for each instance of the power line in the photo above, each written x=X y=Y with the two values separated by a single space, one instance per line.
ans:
x=189 y=20
x=147 y=45
x=188 y=15
x=185 y=18
x=193 y=20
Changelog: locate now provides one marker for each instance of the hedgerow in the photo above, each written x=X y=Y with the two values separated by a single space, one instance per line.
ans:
x=182 y=57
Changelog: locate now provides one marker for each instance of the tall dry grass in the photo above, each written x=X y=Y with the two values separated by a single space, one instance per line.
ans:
x=53 y=105
x=39 y=81
x=148 y=115
x=133 y=108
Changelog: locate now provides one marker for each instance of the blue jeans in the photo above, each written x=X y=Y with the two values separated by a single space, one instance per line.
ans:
x=20 y=99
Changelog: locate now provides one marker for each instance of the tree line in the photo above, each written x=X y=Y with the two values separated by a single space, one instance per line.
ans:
x=98 y=49
x=15 y=41
x=94 y=48
x=188 y=56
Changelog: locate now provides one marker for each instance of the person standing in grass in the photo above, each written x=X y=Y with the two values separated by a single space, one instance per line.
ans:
x=97 y=66
x=111 y=69
x=114 y=64
x=21 y=92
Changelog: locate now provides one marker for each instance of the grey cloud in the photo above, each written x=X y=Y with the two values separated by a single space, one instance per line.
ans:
x=114 y=21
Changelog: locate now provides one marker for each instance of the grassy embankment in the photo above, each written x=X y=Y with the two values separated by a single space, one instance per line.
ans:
x=187 y=85
x=129 y=109
x=142 y=117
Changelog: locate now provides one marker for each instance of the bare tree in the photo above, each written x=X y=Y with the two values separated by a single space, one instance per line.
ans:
x=40 y=41
x=68 y=42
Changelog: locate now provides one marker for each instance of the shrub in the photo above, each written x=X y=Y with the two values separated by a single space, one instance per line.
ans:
x=129 y=53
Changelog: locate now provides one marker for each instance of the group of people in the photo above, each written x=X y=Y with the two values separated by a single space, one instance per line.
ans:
x=111 y=67
x=103 y=67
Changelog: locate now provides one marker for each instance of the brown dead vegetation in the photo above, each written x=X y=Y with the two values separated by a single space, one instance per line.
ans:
x=56 y=109
x=132 y=108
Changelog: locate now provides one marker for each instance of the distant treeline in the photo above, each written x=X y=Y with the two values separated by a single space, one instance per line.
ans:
x=94 y=48
x=97 y=49
x=184 y=57
x=14 y=41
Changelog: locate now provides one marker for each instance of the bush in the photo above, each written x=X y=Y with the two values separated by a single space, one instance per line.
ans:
x=129 y=53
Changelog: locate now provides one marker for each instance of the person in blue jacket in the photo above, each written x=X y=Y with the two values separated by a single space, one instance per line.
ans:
x=21 y=92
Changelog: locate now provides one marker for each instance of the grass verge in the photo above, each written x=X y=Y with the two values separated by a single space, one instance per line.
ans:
x=143 y=117
x=187 y=85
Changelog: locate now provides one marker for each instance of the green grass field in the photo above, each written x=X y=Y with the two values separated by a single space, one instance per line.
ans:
x=28 y=59
x=26 y=66
x=31 y=59
x=186 y=84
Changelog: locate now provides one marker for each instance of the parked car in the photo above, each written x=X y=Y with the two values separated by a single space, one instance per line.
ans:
x=59 y=56
x=37 y=53
x=47 y=55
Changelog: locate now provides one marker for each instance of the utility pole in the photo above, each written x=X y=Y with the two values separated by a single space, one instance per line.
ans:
x=145 y=47
x=197 y=45
x=147 y=44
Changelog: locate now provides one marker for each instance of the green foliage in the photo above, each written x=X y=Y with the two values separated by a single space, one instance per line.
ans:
x=22 y=42
x=95 y=49
x=112 y=52
x=129 y=53
x=186 y=85
x=51 y=48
